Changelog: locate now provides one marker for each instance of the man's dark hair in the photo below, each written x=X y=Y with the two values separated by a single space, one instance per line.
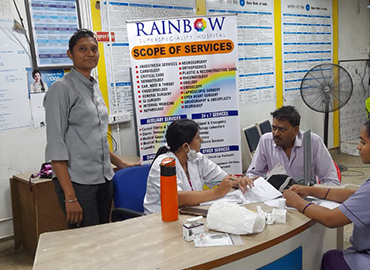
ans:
x=288 y=113
x=80 y=33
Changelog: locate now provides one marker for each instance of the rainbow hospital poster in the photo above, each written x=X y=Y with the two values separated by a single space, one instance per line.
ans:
x=186 y=68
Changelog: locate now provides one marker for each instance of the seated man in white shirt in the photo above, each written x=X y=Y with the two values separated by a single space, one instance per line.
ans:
x=284 y=145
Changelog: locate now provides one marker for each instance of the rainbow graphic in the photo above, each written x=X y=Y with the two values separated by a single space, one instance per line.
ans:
x=213 y=80
x=200 y=25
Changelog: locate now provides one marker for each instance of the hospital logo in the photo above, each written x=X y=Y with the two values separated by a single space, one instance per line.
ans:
x=200 y=25
x=181 y=26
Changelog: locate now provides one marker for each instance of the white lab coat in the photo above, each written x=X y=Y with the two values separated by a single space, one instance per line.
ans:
x=201 y=170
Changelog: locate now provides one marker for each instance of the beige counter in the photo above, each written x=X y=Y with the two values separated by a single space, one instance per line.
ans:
x=148 y=243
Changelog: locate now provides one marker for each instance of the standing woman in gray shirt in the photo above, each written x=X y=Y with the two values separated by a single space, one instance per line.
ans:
x=77 y=145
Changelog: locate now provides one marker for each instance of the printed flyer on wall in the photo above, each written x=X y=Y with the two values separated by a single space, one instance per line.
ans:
x=256 y=47
x=185 y=68
x=307 y=40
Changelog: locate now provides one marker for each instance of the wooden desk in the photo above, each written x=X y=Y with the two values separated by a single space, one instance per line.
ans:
x=34 y=211
x=148 y=243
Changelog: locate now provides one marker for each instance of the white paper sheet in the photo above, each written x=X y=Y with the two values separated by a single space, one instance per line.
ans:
x=328 y=204
x=324 y=203
x=234 y=196
x=262 y=191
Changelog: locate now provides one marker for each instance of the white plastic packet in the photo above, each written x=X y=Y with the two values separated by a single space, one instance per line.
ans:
x=228 y=217
x=217 y=239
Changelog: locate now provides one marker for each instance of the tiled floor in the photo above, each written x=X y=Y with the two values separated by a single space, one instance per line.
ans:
x=16 y=261
x=355 y=173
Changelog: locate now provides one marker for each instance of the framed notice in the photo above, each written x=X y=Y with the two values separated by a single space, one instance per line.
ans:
x=51 y=24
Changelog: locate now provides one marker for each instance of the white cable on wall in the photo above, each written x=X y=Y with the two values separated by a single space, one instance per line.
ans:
x=111 y=59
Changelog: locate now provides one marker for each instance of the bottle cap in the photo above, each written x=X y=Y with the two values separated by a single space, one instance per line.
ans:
x=168 y=162
x=168 y=167
x=194 y=219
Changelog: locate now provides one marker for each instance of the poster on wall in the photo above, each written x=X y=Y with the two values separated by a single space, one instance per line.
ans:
x=14 y=58
x=117 y=55
x=256 y=47
x=307 y=40
x=186 y=68
x=52 y=23
x=38 y=84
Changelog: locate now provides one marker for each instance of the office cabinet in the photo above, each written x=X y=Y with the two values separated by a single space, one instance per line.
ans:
x=35 y=210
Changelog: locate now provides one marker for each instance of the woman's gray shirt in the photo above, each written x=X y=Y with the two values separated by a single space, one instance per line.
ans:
x=76 y=128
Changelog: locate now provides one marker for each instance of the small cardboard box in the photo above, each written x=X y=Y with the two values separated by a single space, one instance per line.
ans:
x=192 y=227
x=279 y=215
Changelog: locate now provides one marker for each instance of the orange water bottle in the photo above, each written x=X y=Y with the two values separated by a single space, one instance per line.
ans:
x=169 y=200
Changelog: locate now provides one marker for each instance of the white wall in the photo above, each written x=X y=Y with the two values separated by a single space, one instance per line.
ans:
x=354 y=33
x=22 y=150
x=354 y=28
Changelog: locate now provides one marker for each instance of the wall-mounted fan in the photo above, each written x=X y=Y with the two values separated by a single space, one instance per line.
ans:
x=326 y=88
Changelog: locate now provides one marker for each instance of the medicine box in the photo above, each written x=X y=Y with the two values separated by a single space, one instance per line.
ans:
x=279 y=215
x=192 y=227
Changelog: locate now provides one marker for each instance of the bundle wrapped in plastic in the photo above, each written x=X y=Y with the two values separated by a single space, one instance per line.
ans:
x=229 y=217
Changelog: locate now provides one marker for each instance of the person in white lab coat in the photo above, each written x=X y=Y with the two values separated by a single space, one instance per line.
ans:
x=193 y=169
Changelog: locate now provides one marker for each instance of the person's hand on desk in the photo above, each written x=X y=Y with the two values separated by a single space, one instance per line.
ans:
x=295 y=196
x=244 y=182
x=302 y=191
x=226 y=185
x=291 y=198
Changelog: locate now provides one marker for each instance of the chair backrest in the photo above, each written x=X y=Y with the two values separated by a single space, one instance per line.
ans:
x=130 y=187
x=252 y=136
x=338 y=171
x=264 y=126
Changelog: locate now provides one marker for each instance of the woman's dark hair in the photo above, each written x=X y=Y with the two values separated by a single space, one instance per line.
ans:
x=34 y=72
x=80 y=33
x=288 y=113
x=178 y=132
x=367 y=128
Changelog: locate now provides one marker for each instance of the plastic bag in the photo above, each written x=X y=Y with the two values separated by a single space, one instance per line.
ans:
x=232 y=218
x=45 y=172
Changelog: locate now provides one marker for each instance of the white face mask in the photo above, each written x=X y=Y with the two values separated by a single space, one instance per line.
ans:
x=192 y=154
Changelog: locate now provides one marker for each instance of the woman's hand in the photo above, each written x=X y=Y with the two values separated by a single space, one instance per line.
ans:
x=74 y=212
x=120 y=163
x=294 y=195
x=123 y=164
x=302 y=191
x=244 y=182
x=226 y=185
